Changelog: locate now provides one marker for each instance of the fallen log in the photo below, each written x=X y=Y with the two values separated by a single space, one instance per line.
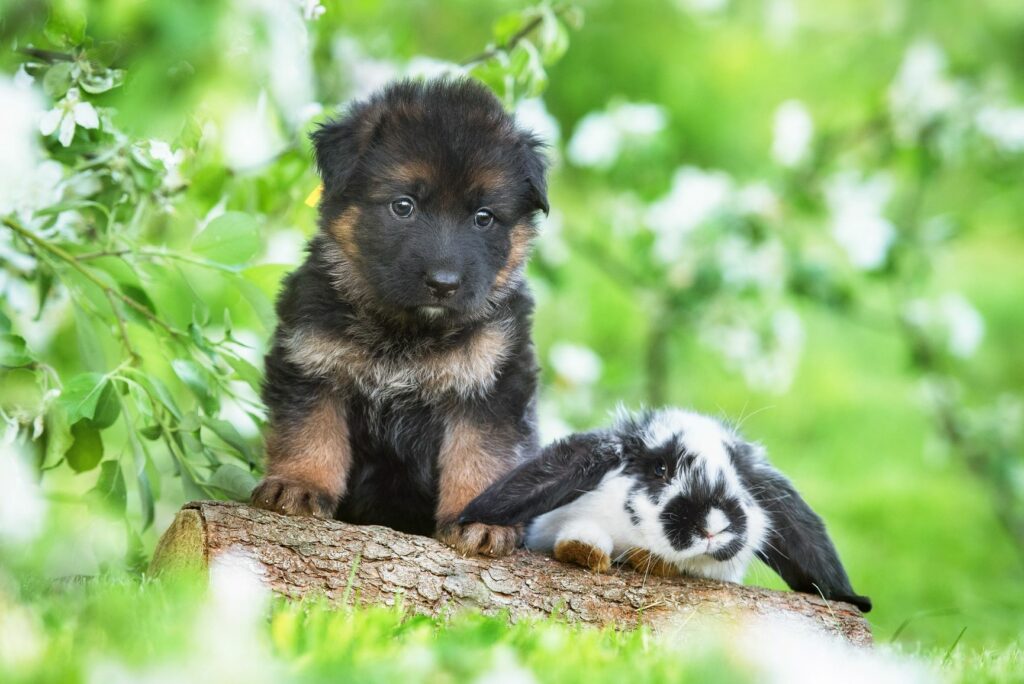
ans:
x=371 y=565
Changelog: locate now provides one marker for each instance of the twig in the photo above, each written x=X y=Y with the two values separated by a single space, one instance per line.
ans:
x=519 y=35
x=71 y=261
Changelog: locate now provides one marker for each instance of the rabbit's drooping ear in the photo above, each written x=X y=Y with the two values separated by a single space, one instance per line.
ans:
x=798 y=547
x=562 y=472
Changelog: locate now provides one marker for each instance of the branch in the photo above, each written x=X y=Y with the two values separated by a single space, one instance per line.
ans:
x=371 y=565
x=519 y=35
x=71 y=261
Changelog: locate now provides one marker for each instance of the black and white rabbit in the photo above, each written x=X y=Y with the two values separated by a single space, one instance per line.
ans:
x=670 y=492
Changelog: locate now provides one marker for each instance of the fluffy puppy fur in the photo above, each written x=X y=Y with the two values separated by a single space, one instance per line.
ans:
x=402 y=377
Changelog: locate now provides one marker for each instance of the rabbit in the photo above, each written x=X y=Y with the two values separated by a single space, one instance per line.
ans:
x=668 y=492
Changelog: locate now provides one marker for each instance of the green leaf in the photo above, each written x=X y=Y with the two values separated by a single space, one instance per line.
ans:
x=246 y=372
x=5 y=323
x=232 y=238
x=86 y=450
x=82 y=394
x=197 y=380
x=58 y=435
x=158 y=390
x=108 y=407
x=151 y=432
x=145 y=491
x=237 y=483
x=57 y=80
x=110 y=489
x=227 y=432
x=13 y=351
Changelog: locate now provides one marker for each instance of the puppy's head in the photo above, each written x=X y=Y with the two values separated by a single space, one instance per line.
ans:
x=430 y=193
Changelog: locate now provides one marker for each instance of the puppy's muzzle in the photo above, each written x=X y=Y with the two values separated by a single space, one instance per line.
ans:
x=442 y=284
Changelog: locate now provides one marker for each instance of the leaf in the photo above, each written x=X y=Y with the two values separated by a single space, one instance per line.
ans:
x=86 y=450
x=108 y=407
x=197 y=380
x=246 y=372
x=110 y=489
x=158 y=390
x=82 y=394
x=151 y=432
x=227 y=432
x=90 y=347
x=231 y=238
x=237 y=483
x=145 y=491
x=13 y=351
x=58 y=435
x=57 y=80
x=5 y=323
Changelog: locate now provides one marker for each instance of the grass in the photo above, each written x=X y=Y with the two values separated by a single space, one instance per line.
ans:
x=120 y=629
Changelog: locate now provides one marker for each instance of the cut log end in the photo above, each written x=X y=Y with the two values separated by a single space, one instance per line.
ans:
x=371 y=565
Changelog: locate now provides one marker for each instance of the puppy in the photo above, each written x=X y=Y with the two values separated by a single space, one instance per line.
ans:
x=402 y=377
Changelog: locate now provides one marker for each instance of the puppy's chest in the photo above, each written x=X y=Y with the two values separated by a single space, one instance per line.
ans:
x=385 y=372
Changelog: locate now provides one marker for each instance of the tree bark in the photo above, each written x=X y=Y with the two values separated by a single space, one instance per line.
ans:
x=371 y=565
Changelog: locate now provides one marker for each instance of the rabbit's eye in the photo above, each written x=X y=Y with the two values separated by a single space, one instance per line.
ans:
x=660 y=469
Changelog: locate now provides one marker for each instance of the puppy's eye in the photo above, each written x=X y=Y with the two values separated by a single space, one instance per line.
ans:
x=402 y=207
x=483 y=218
x=660 y=469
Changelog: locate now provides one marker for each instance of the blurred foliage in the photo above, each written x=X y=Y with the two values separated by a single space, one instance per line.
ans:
x=802 y=215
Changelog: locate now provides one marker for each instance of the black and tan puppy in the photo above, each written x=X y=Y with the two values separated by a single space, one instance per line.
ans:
x=402 y=378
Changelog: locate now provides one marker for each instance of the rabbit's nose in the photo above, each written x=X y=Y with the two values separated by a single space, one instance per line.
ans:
x=715 y=523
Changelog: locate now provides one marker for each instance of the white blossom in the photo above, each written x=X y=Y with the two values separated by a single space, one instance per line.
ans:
x=703 y=6
x=952 y=318
x=21 y=153
x=793 y=133
x=311 y=9
x=696 y=196
x=171 y=159
x=922 y=92
x=600 y=137
x=575 y=363
x=533 y=116
x=505 y=669
x=22 y=506
x=766 y=355
x=22 y=639
x=276 y=40
x=781 y=20
x=858 y=225
x=744 y=264
x=1004 y=126
x=70 y=112
x=363 y=74
x=250 y=136
x=428 y=67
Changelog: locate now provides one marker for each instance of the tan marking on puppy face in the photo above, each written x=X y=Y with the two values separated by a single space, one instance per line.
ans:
x=343 y=229
x=466 y=369
x=490 y=179
x=315 y=452
x=469 y=461
x=521 y=237
x=411 y=172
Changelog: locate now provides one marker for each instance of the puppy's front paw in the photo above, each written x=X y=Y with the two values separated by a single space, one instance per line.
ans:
x=292 y=498
x=583 y=554
x=477 y=538
x=646 y=562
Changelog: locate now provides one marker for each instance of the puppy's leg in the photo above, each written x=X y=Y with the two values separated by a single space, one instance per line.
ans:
x=308 y=462
x=471 y=458
x=585 y=544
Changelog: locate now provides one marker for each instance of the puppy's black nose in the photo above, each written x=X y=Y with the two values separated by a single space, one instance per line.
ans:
x=442 y=284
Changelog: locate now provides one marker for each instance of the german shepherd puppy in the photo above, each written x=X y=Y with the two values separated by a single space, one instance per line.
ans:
x=402 y=377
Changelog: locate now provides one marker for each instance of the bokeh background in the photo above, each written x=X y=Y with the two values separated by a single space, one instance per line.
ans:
x=800 y=216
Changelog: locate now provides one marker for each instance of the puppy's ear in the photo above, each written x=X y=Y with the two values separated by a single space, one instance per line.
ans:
x=535 y=167
x=564 y=471
x=798 y=547
x=339 y=144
